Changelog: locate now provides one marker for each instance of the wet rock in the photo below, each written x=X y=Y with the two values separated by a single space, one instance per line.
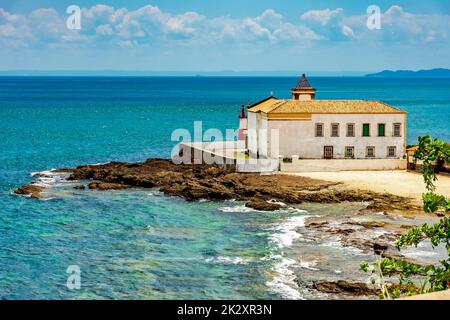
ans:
x=107 y=186
x=263 y=205
x=366 y=236
x=194 y=182
x=41 y=175
x=32 y=190
x=379 y=248
x=317 y=224
x=386 y=250
x=371 y=224
x=79 y=187
x=62 y=170
x=345 y=287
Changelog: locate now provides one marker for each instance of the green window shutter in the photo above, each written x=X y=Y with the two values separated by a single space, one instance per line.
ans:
x=381 y=130
x=366 y=130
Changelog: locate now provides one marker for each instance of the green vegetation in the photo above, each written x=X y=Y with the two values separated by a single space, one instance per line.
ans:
x=435 y=277
x=239 y=154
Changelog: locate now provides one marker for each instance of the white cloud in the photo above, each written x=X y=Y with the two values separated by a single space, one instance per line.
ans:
x=270 y=26
x=322 y=17
x=104 y=30
x=185 y=24
x=47 y=24
x=397 y=25
x=14 y=29
x=328 y=23
x=149 y=24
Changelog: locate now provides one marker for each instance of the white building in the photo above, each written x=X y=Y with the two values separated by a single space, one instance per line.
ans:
x=305 y=128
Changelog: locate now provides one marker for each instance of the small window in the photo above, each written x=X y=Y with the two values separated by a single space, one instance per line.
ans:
x=335 y=130
x=381 y=129
x=392 y=152
x=349 y=152
x=366 y=130
x=319 y=129
x=350 y=129
x=370 y=152
x=397 y=130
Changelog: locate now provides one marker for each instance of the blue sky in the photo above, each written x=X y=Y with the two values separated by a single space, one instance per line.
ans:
x=200 y=35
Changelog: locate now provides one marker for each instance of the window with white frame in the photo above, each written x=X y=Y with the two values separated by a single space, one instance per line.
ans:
x=397 y=130
x=350 y=129
x=349 y=152
x=319 y=129
x=370 y=152
x=391 y=152
x=335 y=129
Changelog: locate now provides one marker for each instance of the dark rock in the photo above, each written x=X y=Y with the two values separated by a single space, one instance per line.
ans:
x=345 y=287
x=107 y=186
x=194 y=182
x=263 y=206
x=62 y=170
x=32 y=190
x=379 y=248
x=370 y=224
x=389 y=251
x=79 y=187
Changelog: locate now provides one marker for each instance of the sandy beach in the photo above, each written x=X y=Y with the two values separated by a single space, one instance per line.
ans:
x=401 y=182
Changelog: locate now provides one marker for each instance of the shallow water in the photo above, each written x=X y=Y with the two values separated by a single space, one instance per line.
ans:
x=149 y=246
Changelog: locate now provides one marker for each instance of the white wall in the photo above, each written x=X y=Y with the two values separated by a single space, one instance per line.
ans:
x=252 y=133
x=263 y=140
x=329 y=165
x=298 y=137
x=258 y=166
x=257 y=135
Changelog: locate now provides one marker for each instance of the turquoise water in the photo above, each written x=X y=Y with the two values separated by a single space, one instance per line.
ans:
x=140 y=244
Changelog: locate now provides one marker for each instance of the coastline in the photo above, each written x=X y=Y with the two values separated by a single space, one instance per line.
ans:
x=196 y=182
x=370 y=230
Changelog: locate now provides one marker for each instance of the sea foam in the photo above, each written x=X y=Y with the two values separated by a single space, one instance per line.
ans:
x=283 y=282
x=227 y=260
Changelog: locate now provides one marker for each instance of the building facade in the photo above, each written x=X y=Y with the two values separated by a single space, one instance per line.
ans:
x=325 y=129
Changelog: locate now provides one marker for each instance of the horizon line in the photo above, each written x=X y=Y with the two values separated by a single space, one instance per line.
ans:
x=181 y=71
x=189 y=73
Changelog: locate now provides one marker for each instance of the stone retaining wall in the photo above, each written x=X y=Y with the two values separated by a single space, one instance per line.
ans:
x=295 y=164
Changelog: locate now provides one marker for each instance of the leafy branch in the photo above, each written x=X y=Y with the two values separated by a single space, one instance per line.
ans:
x=434 y=154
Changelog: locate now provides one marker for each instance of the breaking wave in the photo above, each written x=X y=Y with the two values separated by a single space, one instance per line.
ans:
x=227 y=260
x=283 y=282
x=236 y=209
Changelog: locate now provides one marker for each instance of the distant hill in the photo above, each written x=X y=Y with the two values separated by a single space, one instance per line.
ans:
x=433 y=73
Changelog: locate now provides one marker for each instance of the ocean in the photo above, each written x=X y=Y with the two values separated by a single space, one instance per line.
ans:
x=140 y=244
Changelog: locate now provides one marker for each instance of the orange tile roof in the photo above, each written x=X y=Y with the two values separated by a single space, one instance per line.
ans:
x=279 y=106
x=413 y=148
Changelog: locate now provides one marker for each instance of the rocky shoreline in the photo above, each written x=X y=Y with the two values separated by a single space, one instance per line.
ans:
x=260 y=192
x=195 y=182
